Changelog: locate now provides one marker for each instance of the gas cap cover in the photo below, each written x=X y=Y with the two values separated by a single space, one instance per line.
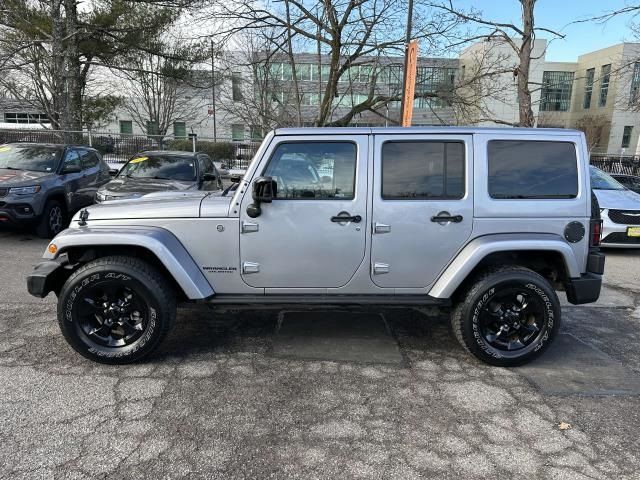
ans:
x=574 y=232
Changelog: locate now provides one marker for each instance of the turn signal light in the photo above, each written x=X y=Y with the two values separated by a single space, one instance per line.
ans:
x=53 y=248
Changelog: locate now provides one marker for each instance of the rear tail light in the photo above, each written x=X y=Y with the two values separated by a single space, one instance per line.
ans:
x=596 y=232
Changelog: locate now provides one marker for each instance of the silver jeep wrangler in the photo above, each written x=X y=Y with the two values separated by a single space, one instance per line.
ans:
x=489 y=222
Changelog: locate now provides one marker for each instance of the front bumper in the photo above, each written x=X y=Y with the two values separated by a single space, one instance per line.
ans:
x=614 y=235
x=586 y=289
x=47 y=276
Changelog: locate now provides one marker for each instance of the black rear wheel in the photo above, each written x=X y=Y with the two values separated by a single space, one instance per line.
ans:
x=116 y=309
x=508 y=317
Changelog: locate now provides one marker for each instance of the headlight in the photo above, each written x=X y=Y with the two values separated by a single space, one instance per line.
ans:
x=100 y=197
x=24 y=190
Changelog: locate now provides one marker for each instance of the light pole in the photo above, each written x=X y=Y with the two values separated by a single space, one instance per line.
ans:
x=213 y=93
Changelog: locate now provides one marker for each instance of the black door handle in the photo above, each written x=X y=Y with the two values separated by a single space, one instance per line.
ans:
x=447 y=218
x=345 y=218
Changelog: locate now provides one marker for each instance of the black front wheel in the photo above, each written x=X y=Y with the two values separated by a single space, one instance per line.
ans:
x=116 y=309
x=52 y=221
x=508 y=316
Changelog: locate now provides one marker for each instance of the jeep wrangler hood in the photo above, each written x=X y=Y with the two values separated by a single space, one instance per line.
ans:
x=160 y=205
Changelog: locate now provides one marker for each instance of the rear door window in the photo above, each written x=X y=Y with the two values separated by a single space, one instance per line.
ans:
x=526 y=169
x=423 y=170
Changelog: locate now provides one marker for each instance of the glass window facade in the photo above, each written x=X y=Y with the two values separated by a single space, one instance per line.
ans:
x=605 y=76
x=126 y=126
x=626 y=136
x=588 y=88
x=13 y=117
x=556 y=91
x=635 y=84
x=436 y=84
x=179 y=129
x=237 y=132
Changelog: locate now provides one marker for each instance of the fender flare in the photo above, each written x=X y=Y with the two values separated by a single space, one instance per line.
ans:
x=159 y=241
x=476 y=250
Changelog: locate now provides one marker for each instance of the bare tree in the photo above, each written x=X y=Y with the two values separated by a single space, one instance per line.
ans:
x=165 y=88
x=595 y=128
x=346 y=34
x=520 y=39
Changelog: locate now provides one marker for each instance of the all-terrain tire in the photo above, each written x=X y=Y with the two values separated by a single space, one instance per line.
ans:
x=52 y=221
x=485 y=304
x=116 y=309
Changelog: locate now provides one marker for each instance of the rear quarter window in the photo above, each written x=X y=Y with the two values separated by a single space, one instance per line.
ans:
x=527 y=169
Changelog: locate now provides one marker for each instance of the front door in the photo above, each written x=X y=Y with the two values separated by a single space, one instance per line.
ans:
x=313 y=233
x=422 y=206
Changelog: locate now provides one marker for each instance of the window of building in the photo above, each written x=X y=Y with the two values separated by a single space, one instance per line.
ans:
x=152 y=128
x=126 y=126
x=626 y=136
x=256 y=132
x=556 y=91
x=314 y=170
x=605 y=76
x=433 y=87
x=635 y=84
x=588 y=88
x=524 y=169
x=237 y=132
x=179 y=130
x=422 y=170
x=236 y=86
x=19 y=117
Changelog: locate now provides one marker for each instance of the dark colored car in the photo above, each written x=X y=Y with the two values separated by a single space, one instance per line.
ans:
x=632 y=182
x=160 y=171
x=44 y=184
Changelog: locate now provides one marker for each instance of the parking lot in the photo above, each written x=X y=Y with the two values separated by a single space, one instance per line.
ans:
x=247 y=394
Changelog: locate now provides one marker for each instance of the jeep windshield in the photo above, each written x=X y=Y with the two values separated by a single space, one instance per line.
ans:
x=35 y=158
x=603 y=181
x=160 y=167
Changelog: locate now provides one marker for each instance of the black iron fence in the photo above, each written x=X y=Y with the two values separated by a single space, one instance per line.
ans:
x=629 y=165
x=118 y=148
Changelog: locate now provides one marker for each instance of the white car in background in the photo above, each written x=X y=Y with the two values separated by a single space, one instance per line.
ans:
x=620 y=211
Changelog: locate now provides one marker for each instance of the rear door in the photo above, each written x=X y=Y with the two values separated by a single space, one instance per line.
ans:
x=73 y=182
x=91 y=172
x=422 y=206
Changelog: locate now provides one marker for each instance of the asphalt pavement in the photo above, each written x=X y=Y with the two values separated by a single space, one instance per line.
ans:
x=239 y=394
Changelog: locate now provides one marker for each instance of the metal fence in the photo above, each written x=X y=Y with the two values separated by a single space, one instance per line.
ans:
x=629 y=165
x=118 y=148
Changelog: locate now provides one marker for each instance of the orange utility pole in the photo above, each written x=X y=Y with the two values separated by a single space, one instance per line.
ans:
x=410 y=69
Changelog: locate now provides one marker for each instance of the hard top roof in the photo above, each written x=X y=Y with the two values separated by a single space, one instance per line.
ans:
x=421 y=130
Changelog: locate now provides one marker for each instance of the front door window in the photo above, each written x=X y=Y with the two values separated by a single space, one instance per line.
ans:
x=314 y=170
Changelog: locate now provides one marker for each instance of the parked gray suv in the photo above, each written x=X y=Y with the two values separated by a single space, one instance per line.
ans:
x=489 y=223
x=44 y=184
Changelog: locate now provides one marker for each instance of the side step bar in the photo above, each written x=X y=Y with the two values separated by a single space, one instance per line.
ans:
x=424 y=300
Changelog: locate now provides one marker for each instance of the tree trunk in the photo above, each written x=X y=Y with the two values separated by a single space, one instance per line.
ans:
x=73 y=112
x=57 y=70
x=526 y=118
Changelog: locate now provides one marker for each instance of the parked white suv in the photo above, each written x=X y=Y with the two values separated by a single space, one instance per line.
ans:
x=490 y=222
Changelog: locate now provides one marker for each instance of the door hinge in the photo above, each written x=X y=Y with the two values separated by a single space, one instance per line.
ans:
x=248 y=227
x=250 y=267
x=380 y=268
x=381 y=228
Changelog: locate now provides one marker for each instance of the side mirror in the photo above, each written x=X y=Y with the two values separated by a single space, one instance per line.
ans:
x=265 y=189
x=71 y=169
x=113 y=172
x=209 y=177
